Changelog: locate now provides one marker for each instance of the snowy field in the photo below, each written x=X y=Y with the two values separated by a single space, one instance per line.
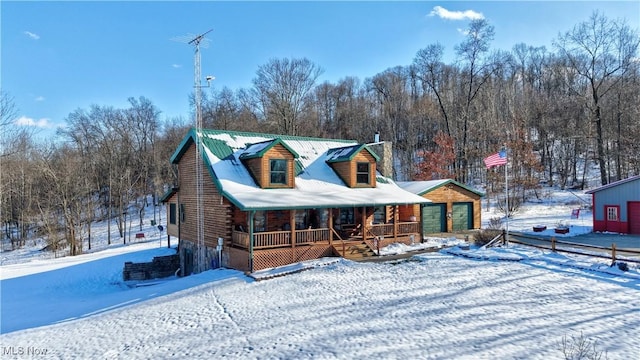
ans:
x=503 y=303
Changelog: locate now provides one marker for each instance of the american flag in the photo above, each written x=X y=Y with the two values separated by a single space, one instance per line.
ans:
x=499 y=158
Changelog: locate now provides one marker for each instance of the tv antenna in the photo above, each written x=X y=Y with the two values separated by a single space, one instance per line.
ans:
x=197 y=41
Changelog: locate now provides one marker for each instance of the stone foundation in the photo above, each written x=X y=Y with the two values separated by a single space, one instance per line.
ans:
x=189 y=258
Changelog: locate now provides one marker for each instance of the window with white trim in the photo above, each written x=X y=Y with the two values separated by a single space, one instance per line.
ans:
x=612 y=213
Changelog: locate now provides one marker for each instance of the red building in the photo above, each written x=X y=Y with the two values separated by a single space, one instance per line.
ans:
x=616 y=206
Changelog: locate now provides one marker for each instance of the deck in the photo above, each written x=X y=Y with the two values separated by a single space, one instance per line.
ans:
x=383 y=233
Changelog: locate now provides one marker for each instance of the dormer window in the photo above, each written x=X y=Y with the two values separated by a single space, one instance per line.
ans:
x=278 y=171
x=362 y=173
x=354 y=164
x=271 y=164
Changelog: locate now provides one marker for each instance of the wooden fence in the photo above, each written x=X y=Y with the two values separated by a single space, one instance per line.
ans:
x=553 y=244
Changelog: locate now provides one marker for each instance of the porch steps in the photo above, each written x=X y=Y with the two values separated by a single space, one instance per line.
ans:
x=354 y=251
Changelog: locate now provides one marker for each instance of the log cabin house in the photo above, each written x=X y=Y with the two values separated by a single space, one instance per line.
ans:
x=272 y=200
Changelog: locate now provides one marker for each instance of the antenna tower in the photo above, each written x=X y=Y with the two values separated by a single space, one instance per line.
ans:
x=197 y=41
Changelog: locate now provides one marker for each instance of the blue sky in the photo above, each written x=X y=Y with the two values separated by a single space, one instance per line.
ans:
x=60 y=56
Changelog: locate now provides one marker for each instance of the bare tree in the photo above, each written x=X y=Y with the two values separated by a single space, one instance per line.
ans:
x=476 y=71
x=601 y=51
x=282 y=88
x=430 y=70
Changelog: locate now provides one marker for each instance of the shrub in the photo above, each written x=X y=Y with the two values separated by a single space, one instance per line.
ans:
x=495 y=223
x=577 y=348
x=484 y=236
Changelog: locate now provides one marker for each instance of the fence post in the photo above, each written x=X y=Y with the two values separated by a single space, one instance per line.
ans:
x=553 y=243
x=613 y=254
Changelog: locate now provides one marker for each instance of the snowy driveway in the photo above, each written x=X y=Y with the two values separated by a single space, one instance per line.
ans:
x=436 y=306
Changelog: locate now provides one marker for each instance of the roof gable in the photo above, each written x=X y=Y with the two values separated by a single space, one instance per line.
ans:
x=614 y=184
x=423 y=187
x=259 y=149
x=347 y=153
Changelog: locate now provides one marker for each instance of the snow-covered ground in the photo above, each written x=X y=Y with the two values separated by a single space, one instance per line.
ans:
x=553 y=210
x=514 y=302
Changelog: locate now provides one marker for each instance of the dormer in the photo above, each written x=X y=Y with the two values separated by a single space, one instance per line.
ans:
x=271 y=164
x=355 y=165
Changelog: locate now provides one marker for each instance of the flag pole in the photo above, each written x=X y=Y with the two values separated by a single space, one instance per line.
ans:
x=506 y=190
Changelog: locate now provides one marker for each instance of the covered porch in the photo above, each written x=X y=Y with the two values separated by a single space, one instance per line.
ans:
x=338 y=228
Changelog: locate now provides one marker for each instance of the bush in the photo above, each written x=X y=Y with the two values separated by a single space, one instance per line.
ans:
x=483 y=237
x=578 y=348
x=495 y=223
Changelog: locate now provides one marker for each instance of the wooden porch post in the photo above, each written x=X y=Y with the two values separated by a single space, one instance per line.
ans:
x=364 y=223
x=292 y=225
x=330 y=226
x=395 y=222
x=252 y=214
x=420 y=227
x=292 y=236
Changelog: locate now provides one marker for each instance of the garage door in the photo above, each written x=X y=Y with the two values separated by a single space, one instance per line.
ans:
x=634 y=217
x=434 y=218
x=462 y=216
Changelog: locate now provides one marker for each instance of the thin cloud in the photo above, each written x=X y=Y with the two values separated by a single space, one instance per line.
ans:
x=39 y=98
x=176 y=66
x=443 y=13
x=40 y=123
x=33 y=36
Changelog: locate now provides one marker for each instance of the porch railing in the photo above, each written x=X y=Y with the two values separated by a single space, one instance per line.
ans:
x=386 y=230
x=273 y=239
x=312 y=235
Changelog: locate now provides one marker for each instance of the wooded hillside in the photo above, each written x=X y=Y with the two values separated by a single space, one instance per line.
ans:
x=559 y=112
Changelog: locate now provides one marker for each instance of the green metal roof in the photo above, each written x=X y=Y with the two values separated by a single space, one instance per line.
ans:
x=347 y=153
x=258 y=150
x=221 y=150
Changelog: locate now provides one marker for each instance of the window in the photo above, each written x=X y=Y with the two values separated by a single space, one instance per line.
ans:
x=278 y=171
x=612 y=213
x=260 y=221
x=172 y=213
x=301 y=219
x=362 y=173
x=347 y=216
x=379 y=215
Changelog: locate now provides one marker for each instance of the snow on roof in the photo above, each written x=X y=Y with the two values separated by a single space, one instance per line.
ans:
x=348 y=152
x=421 y=187
x=316 y=186
x=613 y=184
